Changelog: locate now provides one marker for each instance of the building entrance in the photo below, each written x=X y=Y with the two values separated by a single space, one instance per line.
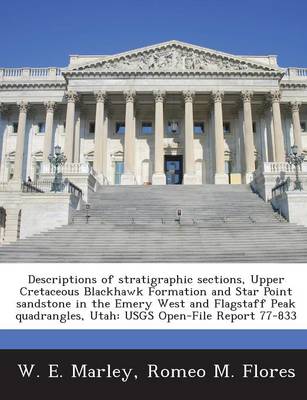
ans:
x=173 y=166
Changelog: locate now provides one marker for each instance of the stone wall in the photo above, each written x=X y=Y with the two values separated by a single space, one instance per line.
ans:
x=31 y=213
x=293 y=206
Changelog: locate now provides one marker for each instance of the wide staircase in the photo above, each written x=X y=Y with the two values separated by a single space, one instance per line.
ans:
x=219 y=223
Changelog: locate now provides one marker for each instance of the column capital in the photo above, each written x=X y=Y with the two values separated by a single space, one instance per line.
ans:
x=294 y=106
x=246 y=96
x=71 y=97
x=50 y=106
x=188 y=96
x=101 y=96
x=23 y=106
x=217 y=96
x=129 y=96
x=274 y=96
x=159 y=96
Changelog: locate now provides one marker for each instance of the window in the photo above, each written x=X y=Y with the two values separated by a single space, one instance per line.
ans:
x=227 y=129
x=173 y=128
x=91 y=128
x=199 y=128
x=15 y=127
x=90 y=165
x=41 y=127
x=147 y=128
x=254 y=127
x=120 y=128
x=64 y=127
x=303 y=126
x=119 y=170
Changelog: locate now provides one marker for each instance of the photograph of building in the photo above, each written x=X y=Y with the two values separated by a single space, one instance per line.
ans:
x=170 y=152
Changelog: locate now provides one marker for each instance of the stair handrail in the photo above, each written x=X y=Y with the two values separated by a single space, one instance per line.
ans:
x=29 y=187
x=72 y=188
x=282 y=187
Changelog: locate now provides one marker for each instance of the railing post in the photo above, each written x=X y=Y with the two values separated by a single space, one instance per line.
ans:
x=52 y=72
x=26 y=72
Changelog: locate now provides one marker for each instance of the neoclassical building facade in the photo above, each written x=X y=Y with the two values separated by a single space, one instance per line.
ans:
x=165 y=114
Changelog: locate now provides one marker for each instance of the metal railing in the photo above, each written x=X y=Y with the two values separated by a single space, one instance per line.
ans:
x=29 y=187
x=47 y=186
x=73 y=189
x=282 y=187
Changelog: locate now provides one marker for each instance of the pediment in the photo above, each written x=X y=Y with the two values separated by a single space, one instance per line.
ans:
x=173 y=58
x=118 y=153
x=89 y=155
x=37 y=154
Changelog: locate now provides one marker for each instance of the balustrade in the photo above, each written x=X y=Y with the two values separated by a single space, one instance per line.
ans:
x=296 y=73
x=277 y=167
x=67 y=168
x=30 y=73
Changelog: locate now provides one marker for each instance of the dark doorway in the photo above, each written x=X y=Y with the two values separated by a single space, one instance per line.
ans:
x=173 y=166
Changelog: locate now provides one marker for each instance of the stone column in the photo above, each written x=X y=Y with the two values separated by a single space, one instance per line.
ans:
x=100 y=150
x=220 y=176
x=77 y=136
x=269 y=127
x=237 y=166
x=248 y=136
x=189 y=177
x=72 y=98
x=3 y=109
x=297 y=131
x=106 y=125
x=263 y=138
x=275 y=97
x=50 y=107
x=128 y=177
x=158 y=177
x=20 y=145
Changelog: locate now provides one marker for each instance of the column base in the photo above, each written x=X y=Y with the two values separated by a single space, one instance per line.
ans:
x=14 y=185
x=158 y=179
x=248 y=177
x=190 y=179
x=221 y=179
x=127 y=179
x=236 y=178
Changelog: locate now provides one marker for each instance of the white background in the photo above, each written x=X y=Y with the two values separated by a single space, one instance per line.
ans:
x=14 y=276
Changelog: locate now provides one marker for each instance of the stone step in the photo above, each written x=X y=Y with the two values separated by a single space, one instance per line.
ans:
x=220 y=223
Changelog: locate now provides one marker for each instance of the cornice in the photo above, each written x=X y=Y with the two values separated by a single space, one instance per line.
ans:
x=172 y=74
x=33 y=85
x=293 y=85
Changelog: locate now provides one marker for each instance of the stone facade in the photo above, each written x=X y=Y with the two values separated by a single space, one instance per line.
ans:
x=168 y=113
